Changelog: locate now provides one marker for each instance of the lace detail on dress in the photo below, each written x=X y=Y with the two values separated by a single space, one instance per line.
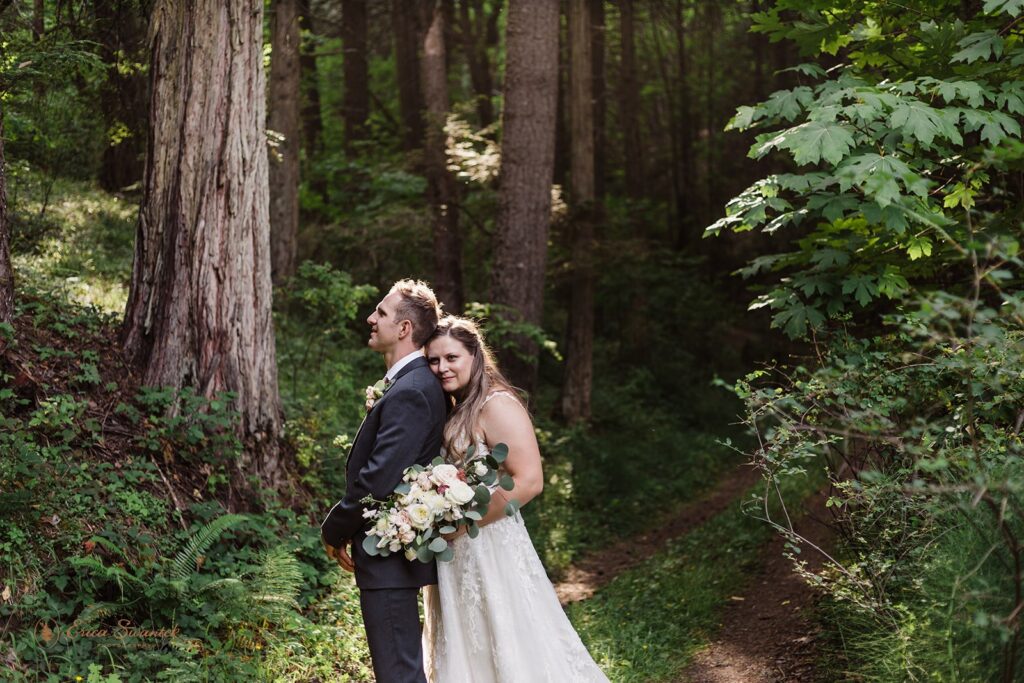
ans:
x=494 y=616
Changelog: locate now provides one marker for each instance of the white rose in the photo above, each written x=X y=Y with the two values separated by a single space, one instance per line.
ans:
x=460 y=493
x=445 y=474
x=480 y=469
x=410 y=554
x=419 y=516
x=436 y=503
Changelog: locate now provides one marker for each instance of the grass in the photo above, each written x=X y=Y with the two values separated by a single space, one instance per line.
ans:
x=647 y=624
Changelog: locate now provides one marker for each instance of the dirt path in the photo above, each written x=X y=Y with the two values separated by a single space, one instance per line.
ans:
x=596 y=570
x=768 y=634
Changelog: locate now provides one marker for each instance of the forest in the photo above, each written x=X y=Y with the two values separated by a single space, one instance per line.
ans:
x=754 y=265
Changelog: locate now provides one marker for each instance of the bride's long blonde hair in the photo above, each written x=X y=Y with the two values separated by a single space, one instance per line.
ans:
x=461 y=429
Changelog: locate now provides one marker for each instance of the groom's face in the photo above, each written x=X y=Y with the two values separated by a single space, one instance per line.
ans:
x=384 y=326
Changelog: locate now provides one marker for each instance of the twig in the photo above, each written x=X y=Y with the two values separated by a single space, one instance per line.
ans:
x=170 y=489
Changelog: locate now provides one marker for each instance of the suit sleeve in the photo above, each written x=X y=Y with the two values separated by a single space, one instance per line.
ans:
x=404 y=429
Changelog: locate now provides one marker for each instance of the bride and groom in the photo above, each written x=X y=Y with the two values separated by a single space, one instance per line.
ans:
x=491 y=615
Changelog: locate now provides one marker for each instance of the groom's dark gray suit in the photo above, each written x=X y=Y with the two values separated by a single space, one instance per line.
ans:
x=404 y=427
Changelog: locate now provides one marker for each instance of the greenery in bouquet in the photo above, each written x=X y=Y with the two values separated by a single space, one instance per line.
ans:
x=433 y=501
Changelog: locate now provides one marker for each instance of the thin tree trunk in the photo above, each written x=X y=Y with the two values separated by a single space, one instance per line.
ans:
x=629 y=104
x=442 y=191
x=473 y=30
x=684 y=176
x=405 y=18
x=285 y=100
x=6 y=271
x=38 y=19
x=563 y=135
x=599 y=87
x=527 y=170
x=199 y=305
x=579 y=350
x=312 y=123
x=121 y=35
x=356 y=104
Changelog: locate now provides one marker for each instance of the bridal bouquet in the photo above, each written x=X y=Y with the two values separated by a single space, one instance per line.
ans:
x=432 y=501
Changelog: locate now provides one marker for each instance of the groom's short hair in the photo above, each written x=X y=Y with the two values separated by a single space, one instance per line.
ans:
x=419 y=306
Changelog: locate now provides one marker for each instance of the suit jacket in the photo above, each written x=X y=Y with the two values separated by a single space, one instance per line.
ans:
x=404 y=427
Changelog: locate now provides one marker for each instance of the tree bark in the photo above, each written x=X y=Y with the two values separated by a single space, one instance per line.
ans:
x=442 y=191
x=597 y=29
x=121 y=35
x=312 y=123
x=405 y=18
x=527 y=170
x=6 y=271
x=474 y=24
x=285 y=99
x=629 y=104
x=199 y=305
x=356 y=102
x=579 y=350
x=38 y=20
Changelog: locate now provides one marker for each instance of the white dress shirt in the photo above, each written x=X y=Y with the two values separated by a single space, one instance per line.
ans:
x=402 y=362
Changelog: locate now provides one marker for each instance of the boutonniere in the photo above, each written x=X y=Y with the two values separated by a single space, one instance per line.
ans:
x=375 y=392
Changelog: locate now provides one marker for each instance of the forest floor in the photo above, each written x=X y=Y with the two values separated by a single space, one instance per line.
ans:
x=768 y=632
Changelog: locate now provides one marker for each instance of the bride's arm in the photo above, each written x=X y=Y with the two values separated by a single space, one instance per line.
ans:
x=505 y=420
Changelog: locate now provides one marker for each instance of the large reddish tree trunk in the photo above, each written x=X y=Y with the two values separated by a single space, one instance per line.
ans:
x=285 y=99
x=579 y=350
x=6 y=271
x=356 y=102
x=527 y=170
x=198 y=311
x=442 y=190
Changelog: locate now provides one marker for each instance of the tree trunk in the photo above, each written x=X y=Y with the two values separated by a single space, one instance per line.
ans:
x=599 y=89
x=121 y=35
x=684 y=177
x=285 y=97
x=473 y=30
x=312 y=123
x=405 y=18
x=579 y=349
x=198 y=311
x=356 y=103
x=629 y=104
x=442 y=191
x=527 y=170
x=38 y=20
x=6 y=271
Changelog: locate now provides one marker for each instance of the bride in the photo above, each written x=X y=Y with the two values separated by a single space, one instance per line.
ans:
x=493 y=616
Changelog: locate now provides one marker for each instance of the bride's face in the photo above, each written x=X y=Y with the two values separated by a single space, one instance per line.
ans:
x=451 y=362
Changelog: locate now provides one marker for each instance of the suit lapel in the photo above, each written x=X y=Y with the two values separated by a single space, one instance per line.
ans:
x=410 y=366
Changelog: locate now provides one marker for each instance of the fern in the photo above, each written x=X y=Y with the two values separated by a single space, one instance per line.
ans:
x=184 y=563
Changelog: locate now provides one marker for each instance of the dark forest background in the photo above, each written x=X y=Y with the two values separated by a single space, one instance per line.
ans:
x=698 y=234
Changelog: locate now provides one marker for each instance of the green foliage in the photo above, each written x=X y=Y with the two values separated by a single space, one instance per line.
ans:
x=908 y=157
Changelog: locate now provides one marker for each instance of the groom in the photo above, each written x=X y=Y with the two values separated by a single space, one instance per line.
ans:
x=403 y=427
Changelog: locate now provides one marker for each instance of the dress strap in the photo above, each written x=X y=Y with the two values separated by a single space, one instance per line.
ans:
x=497 y=393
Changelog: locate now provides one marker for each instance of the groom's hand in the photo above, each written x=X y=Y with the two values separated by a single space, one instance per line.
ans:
x=341 y=556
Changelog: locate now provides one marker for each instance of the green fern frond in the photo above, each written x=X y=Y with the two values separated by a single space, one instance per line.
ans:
x=276 y=585
x=184 y=563
x=96 y=611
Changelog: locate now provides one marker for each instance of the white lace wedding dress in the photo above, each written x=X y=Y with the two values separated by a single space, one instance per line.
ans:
x=494 y=617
